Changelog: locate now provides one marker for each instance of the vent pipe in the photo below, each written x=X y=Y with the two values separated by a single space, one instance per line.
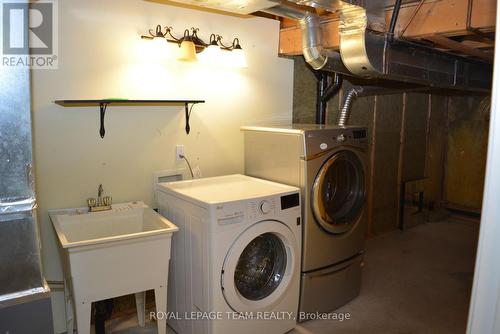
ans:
x=312 y=44
x=312 y=39
x=345 y=112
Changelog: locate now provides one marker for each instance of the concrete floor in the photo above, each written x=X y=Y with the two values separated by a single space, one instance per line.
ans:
x=416 y=281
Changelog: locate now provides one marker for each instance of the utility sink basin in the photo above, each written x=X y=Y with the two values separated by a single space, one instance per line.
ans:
x=78 y=227
x=112 y=253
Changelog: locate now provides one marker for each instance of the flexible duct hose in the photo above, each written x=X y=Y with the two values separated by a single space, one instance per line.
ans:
x=345 y=112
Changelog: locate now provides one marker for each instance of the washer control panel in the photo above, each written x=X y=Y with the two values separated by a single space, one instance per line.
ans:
x=262 y=208
x=258 y=209
x=265 y=207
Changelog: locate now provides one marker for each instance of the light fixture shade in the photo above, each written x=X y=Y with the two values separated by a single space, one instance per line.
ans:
x=187 y=51
x=211 y=55
x=238 y=58
x=165 y=50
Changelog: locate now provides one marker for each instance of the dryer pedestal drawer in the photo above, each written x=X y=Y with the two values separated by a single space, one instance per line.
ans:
x=327 y=289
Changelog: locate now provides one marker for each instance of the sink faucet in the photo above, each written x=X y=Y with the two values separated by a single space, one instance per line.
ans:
x=100 y=191
x=101 y=203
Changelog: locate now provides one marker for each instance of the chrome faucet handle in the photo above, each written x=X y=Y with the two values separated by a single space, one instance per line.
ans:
x=91 y=202
x=107 y=200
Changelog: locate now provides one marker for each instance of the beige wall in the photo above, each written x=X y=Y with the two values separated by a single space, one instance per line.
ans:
x=101 y=55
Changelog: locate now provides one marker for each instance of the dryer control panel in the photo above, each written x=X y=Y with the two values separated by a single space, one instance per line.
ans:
x=326 y=139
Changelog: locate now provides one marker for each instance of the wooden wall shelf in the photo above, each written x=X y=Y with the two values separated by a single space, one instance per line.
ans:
x=104 y=103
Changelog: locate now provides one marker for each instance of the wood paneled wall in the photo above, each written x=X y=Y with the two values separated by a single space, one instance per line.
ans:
x=467 y=140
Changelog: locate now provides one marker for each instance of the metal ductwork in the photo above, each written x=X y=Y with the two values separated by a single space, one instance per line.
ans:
x=365 y=49
x=345 y=112
x=368 y=53
x=312 y=39
x=312 y=43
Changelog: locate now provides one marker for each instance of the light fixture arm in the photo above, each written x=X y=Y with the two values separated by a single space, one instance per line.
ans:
x=198 y=42
x=157 y=33
x=172 y=37
x=222 y=46
x=234 y=45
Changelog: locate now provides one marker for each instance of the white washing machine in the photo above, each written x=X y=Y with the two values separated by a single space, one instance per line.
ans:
x=235 y=263
x=328 y=164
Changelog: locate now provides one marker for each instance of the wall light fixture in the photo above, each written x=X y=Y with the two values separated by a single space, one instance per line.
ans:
x=214 y=52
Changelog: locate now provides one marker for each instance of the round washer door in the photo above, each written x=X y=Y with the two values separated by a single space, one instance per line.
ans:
x=338 y=192
x=259 y=267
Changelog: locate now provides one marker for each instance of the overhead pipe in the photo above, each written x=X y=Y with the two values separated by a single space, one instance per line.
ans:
x=334 y=86
x=321 y=104
x=394 y=19
x=325 y=93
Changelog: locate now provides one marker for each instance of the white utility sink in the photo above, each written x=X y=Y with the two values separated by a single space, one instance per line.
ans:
x=78 y=227
x=112 y=253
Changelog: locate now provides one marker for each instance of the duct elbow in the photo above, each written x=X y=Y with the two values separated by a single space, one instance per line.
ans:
x=314 y=57
x=312 y=40
x=312 y=44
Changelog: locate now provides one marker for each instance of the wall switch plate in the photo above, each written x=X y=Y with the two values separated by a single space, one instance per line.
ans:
x=179 y=152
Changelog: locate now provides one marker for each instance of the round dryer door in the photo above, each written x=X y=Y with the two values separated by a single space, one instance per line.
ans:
x=259 y=267
x=338 y=192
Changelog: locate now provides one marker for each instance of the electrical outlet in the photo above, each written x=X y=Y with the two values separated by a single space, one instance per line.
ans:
x=179 y=152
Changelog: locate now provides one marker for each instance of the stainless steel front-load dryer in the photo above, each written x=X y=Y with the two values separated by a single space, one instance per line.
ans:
x=328 y=164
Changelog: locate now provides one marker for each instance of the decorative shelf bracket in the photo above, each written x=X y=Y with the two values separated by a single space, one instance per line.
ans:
x=103 y=105
x=102 y=113
x=187 y=111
